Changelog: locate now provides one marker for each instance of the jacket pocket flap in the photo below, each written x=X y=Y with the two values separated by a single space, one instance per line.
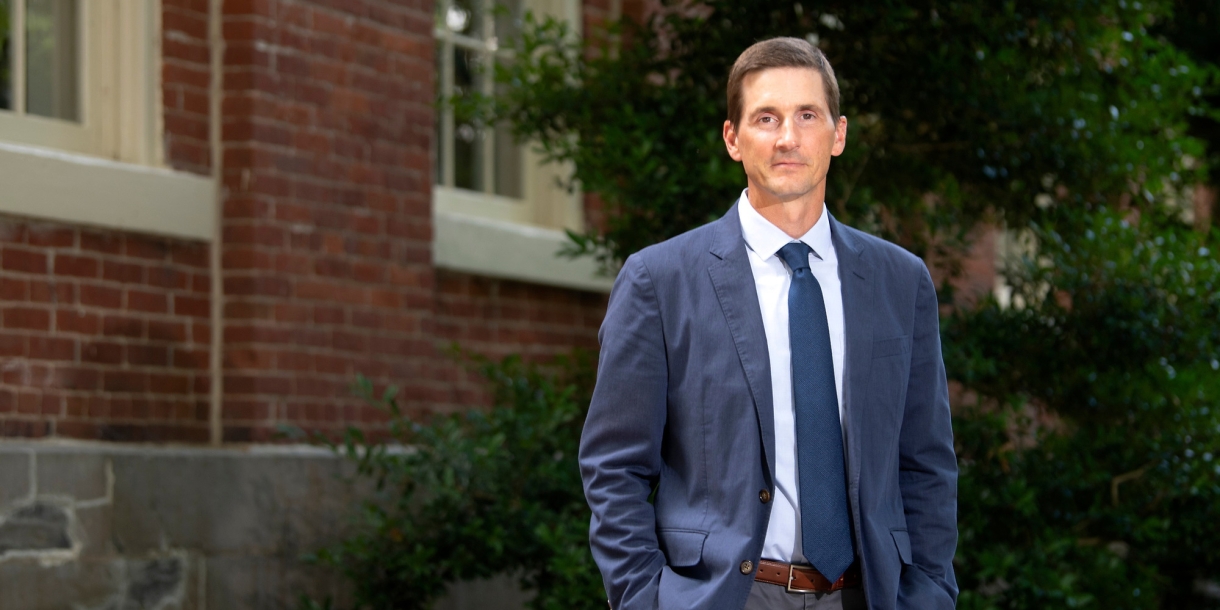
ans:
x=903 y=542
x=682 y=547
x=891 y=346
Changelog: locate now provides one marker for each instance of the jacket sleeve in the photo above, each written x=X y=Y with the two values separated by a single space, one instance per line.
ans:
x=928 y=465
x=620 y=448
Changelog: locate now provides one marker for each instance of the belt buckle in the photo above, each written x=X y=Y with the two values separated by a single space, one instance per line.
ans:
x=790 y=589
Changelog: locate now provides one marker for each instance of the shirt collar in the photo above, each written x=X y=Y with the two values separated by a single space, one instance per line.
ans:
x=766 y=239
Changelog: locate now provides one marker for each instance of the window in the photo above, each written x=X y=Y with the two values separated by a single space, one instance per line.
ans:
x=498 y=210
x=479 y=170
x=79 y=76
x=80 y=116
x=44 y=61
x=468 y=40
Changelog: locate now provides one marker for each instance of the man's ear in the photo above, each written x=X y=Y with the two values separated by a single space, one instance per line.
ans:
x=730 y=141
x=840 y=137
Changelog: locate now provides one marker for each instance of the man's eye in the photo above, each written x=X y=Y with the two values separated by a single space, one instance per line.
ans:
x=808 y=116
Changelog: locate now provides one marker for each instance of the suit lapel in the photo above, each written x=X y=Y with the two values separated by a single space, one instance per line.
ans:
x=733 y=280
x=856 y=280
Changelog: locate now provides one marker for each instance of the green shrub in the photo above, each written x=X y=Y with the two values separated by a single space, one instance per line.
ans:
x=1089 y=449
x=477 y=494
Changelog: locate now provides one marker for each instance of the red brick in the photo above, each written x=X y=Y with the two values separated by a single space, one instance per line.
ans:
x=191 y=255
x=257 y=384
x=8 y=401
x=123 y=326
x=150 y=302
x=169 y=383
x=101 y=296
x=51 y=291
x=102 y=353
x=51 y=237
x=165 y=277
x=27 y=318
x=77 y=266
x=192 y=306
x=185 y=358
x=148 y=355
x=125 y=382
x=12 y=345
x=14 y=290
x=107 y=243
x=82 y=379
x=26 y=261
x=154 y=249
x=160 y=330
x=29 y=402
x=51 y=348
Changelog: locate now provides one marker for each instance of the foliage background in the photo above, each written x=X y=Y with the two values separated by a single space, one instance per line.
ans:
x=1086 y=411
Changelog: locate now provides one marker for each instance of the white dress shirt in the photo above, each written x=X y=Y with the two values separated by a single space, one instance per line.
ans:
x=771 y=279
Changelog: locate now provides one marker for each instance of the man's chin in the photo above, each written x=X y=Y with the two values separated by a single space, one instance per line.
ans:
x=788 y=192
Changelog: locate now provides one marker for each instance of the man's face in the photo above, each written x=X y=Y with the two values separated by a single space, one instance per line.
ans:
x=786 y=136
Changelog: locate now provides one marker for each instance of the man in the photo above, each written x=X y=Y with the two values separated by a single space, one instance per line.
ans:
x=770 y=426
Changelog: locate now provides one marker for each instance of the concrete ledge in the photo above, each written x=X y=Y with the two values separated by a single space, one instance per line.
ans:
x=509 y=250
x=54 y=185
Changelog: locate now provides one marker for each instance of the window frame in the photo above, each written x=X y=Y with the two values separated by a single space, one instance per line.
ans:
x=118 y=55
x=109 y=170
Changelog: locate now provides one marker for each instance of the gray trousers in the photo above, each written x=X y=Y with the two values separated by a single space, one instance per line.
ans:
x=765 y=596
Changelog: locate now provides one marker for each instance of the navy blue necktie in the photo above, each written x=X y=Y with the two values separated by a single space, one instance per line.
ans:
x=825 y=524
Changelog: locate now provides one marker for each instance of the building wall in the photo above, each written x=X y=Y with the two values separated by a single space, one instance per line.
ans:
x=104 y=334
x=325 y=251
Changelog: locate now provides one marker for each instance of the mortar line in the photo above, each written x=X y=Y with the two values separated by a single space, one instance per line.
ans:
x=215 y=262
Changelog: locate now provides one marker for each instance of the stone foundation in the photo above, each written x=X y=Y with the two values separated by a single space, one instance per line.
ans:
x=93 y=526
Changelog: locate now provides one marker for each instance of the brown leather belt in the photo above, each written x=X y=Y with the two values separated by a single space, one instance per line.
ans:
x=804 y=579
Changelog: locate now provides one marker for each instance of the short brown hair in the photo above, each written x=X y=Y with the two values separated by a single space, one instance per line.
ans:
x=781 y=53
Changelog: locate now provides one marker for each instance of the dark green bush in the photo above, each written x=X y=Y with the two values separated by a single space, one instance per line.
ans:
x=477 y=494
x=1090 y=444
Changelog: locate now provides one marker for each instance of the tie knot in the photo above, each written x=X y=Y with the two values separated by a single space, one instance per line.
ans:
x=796 y=254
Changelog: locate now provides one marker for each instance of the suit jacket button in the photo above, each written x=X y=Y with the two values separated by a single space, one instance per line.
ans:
x=747 y=566
x=765 y=496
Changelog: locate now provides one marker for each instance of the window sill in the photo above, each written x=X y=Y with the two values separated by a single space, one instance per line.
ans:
x=497 y=248
x=54 y=185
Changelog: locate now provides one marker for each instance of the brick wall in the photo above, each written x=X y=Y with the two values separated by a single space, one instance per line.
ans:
x=496 y=318
x=104 y=334
x=185 y=77
x=326 y=251
x=327 y=231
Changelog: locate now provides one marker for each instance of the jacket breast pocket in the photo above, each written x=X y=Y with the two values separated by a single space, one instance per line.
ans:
x=891 y=347
x=681 y=548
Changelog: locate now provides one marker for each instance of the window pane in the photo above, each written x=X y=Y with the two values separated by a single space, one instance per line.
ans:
x=51 y=59
x=6 y=81
x=468 y=138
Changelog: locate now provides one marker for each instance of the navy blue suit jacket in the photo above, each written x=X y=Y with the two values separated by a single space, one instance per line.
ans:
x=683 y=407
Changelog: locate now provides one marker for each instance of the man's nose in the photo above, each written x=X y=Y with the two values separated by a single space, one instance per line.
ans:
x=788 y=138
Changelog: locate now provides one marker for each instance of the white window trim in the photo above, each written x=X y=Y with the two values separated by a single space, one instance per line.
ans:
x=80 y=189
x=510 y=250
